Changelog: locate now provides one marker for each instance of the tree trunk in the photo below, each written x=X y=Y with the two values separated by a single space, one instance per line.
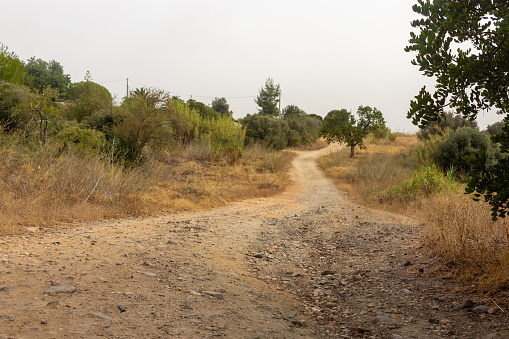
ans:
x=352 y=153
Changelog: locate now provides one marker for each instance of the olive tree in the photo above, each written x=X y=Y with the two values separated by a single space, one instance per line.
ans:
x=343 y=127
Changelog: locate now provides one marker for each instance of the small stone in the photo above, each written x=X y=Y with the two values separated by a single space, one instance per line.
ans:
x=328 y=272
x=481 y=309
x=100 y=315
x=44 y=321
x=406 y=291
x=214 y=294
x=380 y=319
x=433 y=321
x=52 y=304
x=64 y=288
x=195 y=293
x=121 y=308
x=10 y=317
x=5 y=288
x=258 y=255
x=173 y=242
x=296 y=274
x=467 y=303
x=149 y=274
x=396 y=336
x=407 y=263
x=493 y=310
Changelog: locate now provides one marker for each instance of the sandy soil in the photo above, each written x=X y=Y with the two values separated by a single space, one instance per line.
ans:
x=304 y=264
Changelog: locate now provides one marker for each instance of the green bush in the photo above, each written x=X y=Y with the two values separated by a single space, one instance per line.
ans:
x=265 y=129
x=427 y=180
x=461 y=144
x=81 y=138
x=449 y=121
x=304 y=130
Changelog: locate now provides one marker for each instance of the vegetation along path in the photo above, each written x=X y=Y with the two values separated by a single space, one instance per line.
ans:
x=304 y=264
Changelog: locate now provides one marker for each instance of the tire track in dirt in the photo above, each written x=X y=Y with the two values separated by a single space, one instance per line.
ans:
x=304 y=264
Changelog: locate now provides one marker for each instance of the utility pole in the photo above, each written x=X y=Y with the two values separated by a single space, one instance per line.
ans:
x=280 y=94
x=127 y=95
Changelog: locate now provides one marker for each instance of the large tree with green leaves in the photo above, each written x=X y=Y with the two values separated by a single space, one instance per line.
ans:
x=11 y=68
x=221 y=106
x=464 y=45
x=343 y=127
x=88 y=97
x=268 y=98
x=41 y=74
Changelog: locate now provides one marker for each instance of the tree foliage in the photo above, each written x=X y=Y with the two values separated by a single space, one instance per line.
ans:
x=292 y=110
x=12 y=97
x=341 y=126
x=87 y=97
x=41 y=74
x=11 y=68
x=463 y=143
x=495 y=128
x=464 y=45
x=221 y=106
x=142 y=121
x=270 y=131
x=268 y=98
x=205 y=111
x=450 y=121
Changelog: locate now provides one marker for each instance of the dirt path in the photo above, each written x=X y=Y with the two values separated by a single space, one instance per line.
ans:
x=304 y=264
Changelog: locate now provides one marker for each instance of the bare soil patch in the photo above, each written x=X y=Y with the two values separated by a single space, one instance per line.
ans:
x=304 y=264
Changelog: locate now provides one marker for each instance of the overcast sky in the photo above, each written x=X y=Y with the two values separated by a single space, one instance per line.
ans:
x=325 y=54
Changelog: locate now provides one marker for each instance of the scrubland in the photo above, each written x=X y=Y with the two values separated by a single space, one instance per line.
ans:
x=398 y=176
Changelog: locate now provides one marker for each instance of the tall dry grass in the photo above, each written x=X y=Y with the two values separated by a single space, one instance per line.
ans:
x=45 y=186
x=398 y=176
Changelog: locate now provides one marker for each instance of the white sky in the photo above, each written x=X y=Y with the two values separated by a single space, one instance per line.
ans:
x=325 y=54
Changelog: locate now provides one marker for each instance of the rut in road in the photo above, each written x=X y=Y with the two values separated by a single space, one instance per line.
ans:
x=303 y=264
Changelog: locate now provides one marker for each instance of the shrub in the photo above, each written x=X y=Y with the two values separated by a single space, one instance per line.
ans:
x=304 y=130
x=463 y=143
x=81 y=138
x=448 y=121
x=268 y=130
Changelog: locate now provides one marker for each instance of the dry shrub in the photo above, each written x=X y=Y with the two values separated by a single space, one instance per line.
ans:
x=461 y=231
x=44 y=186
x=391 y=176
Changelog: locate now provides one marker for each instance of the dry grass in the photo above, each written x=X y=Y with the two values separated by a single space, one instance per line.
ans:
x=42 y=188
x=458 y=229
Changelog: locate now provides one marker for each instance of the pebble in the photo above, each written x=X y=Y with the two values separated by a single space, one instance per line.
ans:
x=64 y=288
x=406 y=291
x=481 y=309
x=328 y=272
x=396 y=336
x=100 y=315
x=10 y=317
x=5 y=288
x=258 y=255
x=149 y=274
x=214 y=294
x=380 y=319
x=407 y=263
x=467 y=303
x=493 y=310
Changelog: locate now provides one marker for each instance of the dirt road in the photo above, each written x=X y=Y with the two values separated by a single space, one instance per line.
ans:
x=304 y=264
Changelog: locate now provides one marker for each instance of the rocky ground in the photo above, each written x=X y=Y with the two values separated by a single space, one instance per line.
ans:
x=304 y=264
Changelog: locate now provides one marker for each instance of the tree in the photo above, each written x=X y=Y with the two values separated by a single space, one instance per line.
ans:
x=495 y=128
x=42 y=74
x=268 y=98
x=450 y=121
x=11 y=68
x=88 y=97
x=12 y=97
x=292 y=110
x=220 y=105
x=205 y=111
x=267 y=130
x=342 y=126
x=464 y=45
x=142 y=121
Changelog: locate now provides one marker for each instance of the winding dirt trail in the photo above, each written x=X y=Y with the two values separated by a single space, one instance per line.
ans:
x=304 y=264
